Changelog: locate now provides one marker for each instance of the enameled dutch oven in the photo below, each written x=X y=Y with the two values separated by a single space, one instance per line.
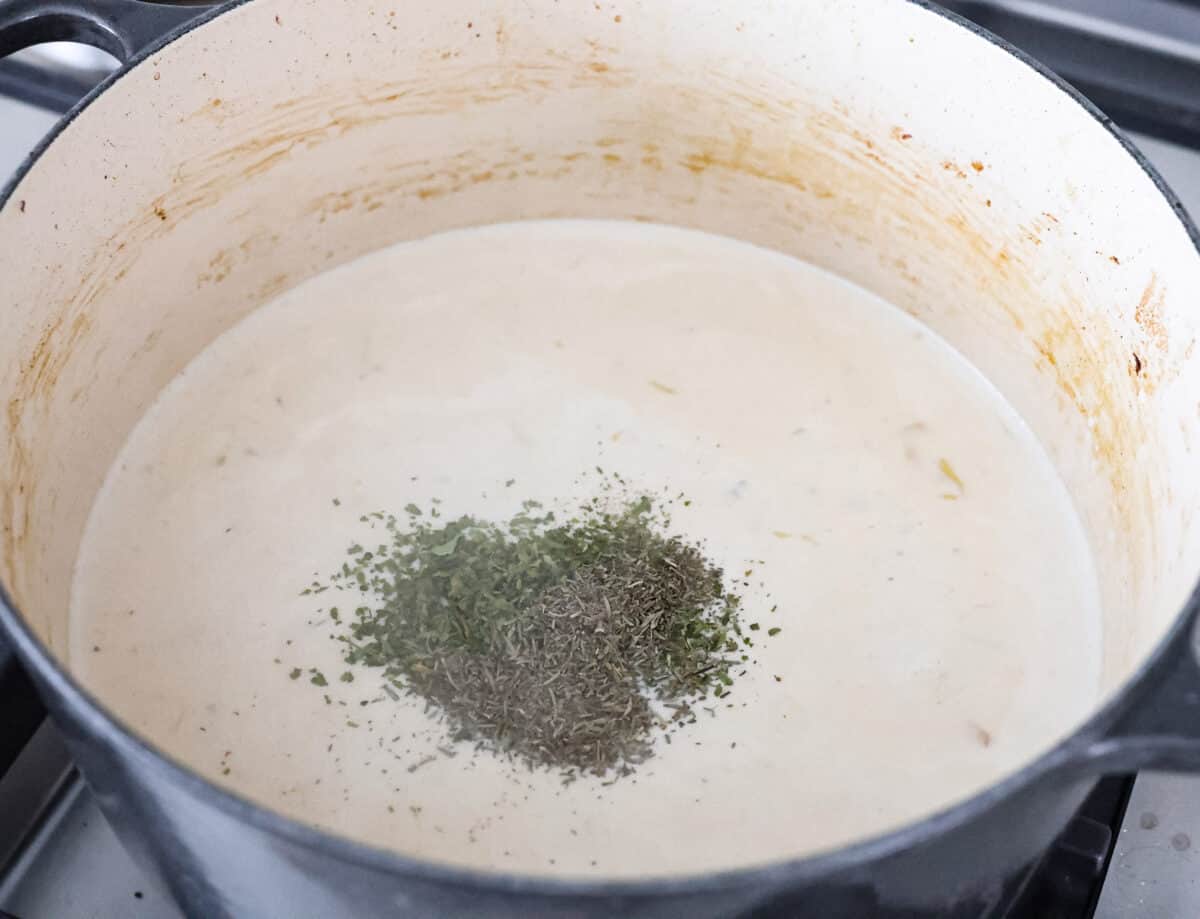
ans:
x=244 y=148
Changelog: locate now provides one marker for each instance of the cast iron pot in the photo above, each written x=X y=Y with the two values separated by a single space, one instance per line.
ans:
x=238 y=152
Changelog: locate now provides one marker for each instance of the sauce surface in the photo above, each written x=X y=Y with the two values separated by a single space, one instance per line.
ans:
x=938 y=605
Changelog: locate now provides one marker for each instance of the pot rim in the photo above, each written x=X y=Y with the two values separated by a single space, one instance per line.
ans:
x=1067 y=752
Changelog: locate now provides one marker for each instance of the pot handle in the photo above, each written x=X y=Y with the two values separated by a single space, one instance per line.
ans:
x=121 y=27
x=1159 y=727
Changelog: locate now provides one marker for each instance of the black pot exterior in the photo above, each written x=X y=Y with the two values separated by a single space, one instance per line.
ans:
x=220 y=856
x=218 y=861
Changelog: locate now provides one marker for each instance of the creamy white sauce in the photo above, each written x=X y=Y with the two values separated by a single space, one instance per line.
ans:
x=936 y=633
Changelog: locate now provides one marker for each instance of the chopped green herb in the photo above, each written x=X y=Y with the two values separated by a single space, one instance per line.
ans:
x=446 y=548
x=544 y=640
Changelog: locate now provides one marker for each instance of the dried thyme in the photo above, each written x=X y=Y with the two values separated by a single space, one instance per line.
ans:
x=562 y=644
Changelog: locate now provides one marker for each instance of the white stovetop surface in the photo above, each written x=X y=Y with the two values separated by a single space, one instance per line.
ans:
x=81 y=873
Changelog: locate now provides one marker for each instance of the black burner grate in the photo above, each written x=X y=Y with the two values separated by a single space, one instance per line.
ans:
x=1066 y=884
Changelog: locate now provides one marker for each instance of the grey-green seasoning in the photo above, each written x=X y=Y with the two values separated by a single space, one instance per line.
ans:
x=564 y=644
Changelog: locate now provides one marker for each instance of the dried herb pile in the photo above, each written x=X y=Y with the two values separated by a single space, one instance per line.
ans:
x=564 y=644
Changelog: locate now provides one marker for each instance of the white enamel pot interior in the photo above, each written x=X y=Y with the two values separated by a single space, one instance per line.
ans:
x=875 y=138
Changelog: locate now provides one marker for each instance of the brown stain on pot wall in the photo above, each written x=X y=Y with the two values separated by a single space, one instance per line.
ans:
x=701 y=162
x=272 y=287
x=219 y=267
x=1102 y=381
x=12 y=501
x=28 y=407
x=40 y=373
x=1149 y=315
x=1037 y=229
x=299 y=124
